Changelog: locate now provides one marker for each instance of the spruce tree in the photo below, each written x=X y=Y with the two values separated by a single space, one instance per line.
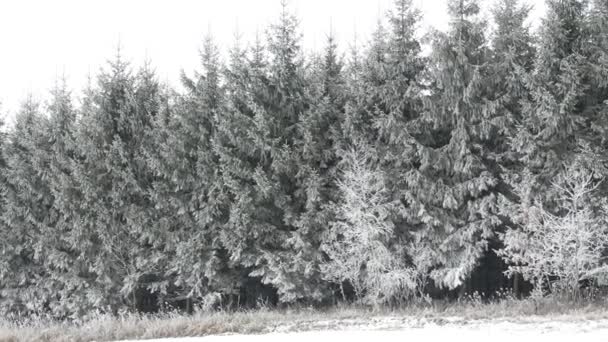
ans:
x=451 y=190
x=354 y=93
x=25 y=215
x=192 y=170
x=400 y=90
x=319 y=133
x=365 y=105
x=236 y=145
x=260 y=157
x=163 y=214
x=110 y=232
x=511 y=64
x=512 y=61
x=289 y=261
x=153 y=259
x=3 y=179
x=61 y=258
x=399 y=106
x=556 y=112
x=596 y=51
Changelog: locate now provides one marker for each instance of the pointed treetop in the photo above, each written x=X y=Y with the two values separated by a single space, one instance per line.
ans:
x=27 y=114
x=403 y=18
x=61 y=85
x=284 y=44
x=118 y=66
x=460 y=9
x=510 y=17
x=563 y=25
x=258 y=53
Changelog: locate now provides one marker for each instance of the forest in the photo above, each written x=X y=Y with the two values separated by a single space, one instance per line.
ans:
x=404 y=167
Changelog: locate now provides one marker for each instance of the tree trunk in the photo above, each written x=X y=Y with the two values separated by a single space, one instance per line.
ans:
x=516 y=285
x=134 y=301
x=188 y=306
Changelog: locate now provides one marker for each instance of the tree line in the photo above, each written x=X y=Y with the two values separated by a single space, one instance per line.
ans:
x=381 y=174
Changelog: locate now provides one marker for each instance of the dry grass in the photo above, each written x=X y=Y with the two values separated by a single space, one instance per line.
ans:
x=106 y=328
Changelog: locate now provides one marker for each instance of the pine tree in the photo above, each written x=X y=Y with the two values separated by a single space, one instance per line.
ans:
x=399 y=105
x=451 y=191
x=110 y=232
x=25 y=216
x=319 y=133
x=369 y=76
x=153 y=258
x=558 y=89
x=354 y=94
x=60 y=257
x=400 y=91
x=164 y=216
x=237 y=146
x=511 y=65
x=191 y=167
x=287 y=263
x=512 y=61
x=598 y=26
x=259 y=154
x=596 y=51
x=3 y=179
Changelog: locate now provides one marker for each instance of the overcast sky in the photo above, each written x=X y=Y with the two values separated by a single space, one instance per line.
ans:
x=41 y=39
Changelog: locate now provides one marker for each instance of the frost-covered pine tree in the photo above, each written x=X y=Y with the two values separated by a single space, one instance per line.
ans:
x=25 y=217
x=452 y=190
x=3 y=179
x=110 y=233
x=596 y=51
x=191 y=168
x=2 y=160
x=319 y=134
x=61 y=259
x=266 y=201
x=598 y=45
x=398 y=107
x=237 y=146
x=366 y=77
x=354 y=93
x=400 y=90
x=163 y=216
x=512 y=60
x=556 y=116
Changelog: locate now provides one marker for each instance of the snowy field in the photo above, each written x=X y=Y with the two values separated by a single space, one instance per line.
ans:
x=447 y=330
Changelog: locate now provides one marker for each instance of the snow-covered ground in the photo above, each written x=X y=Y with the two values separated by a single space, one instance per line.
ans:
x=446 y=330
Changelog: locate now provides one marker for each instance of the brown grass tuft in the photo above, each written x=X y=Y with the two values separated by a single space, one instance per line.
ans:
x=134 y=326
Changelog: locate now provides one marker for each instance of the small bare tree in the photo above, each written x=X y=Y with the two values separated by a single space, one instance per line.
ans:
x=560 y=248
x=358 y=241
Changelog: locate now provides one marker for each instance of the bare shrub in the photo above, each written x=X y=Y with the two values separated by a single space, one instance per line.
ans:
x=560 y=247
x=358 y=243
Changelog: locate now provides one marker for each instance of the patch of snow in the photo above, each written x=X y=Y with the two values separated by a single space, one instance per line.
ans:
x=393 y=329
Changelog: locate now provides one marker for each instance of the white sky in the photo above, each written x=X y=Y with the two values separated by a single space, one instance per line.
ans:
x=40 y=39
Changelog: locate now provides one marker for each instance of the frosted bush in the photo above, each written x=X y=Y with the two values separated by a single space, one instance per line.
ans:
x=558 y=248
